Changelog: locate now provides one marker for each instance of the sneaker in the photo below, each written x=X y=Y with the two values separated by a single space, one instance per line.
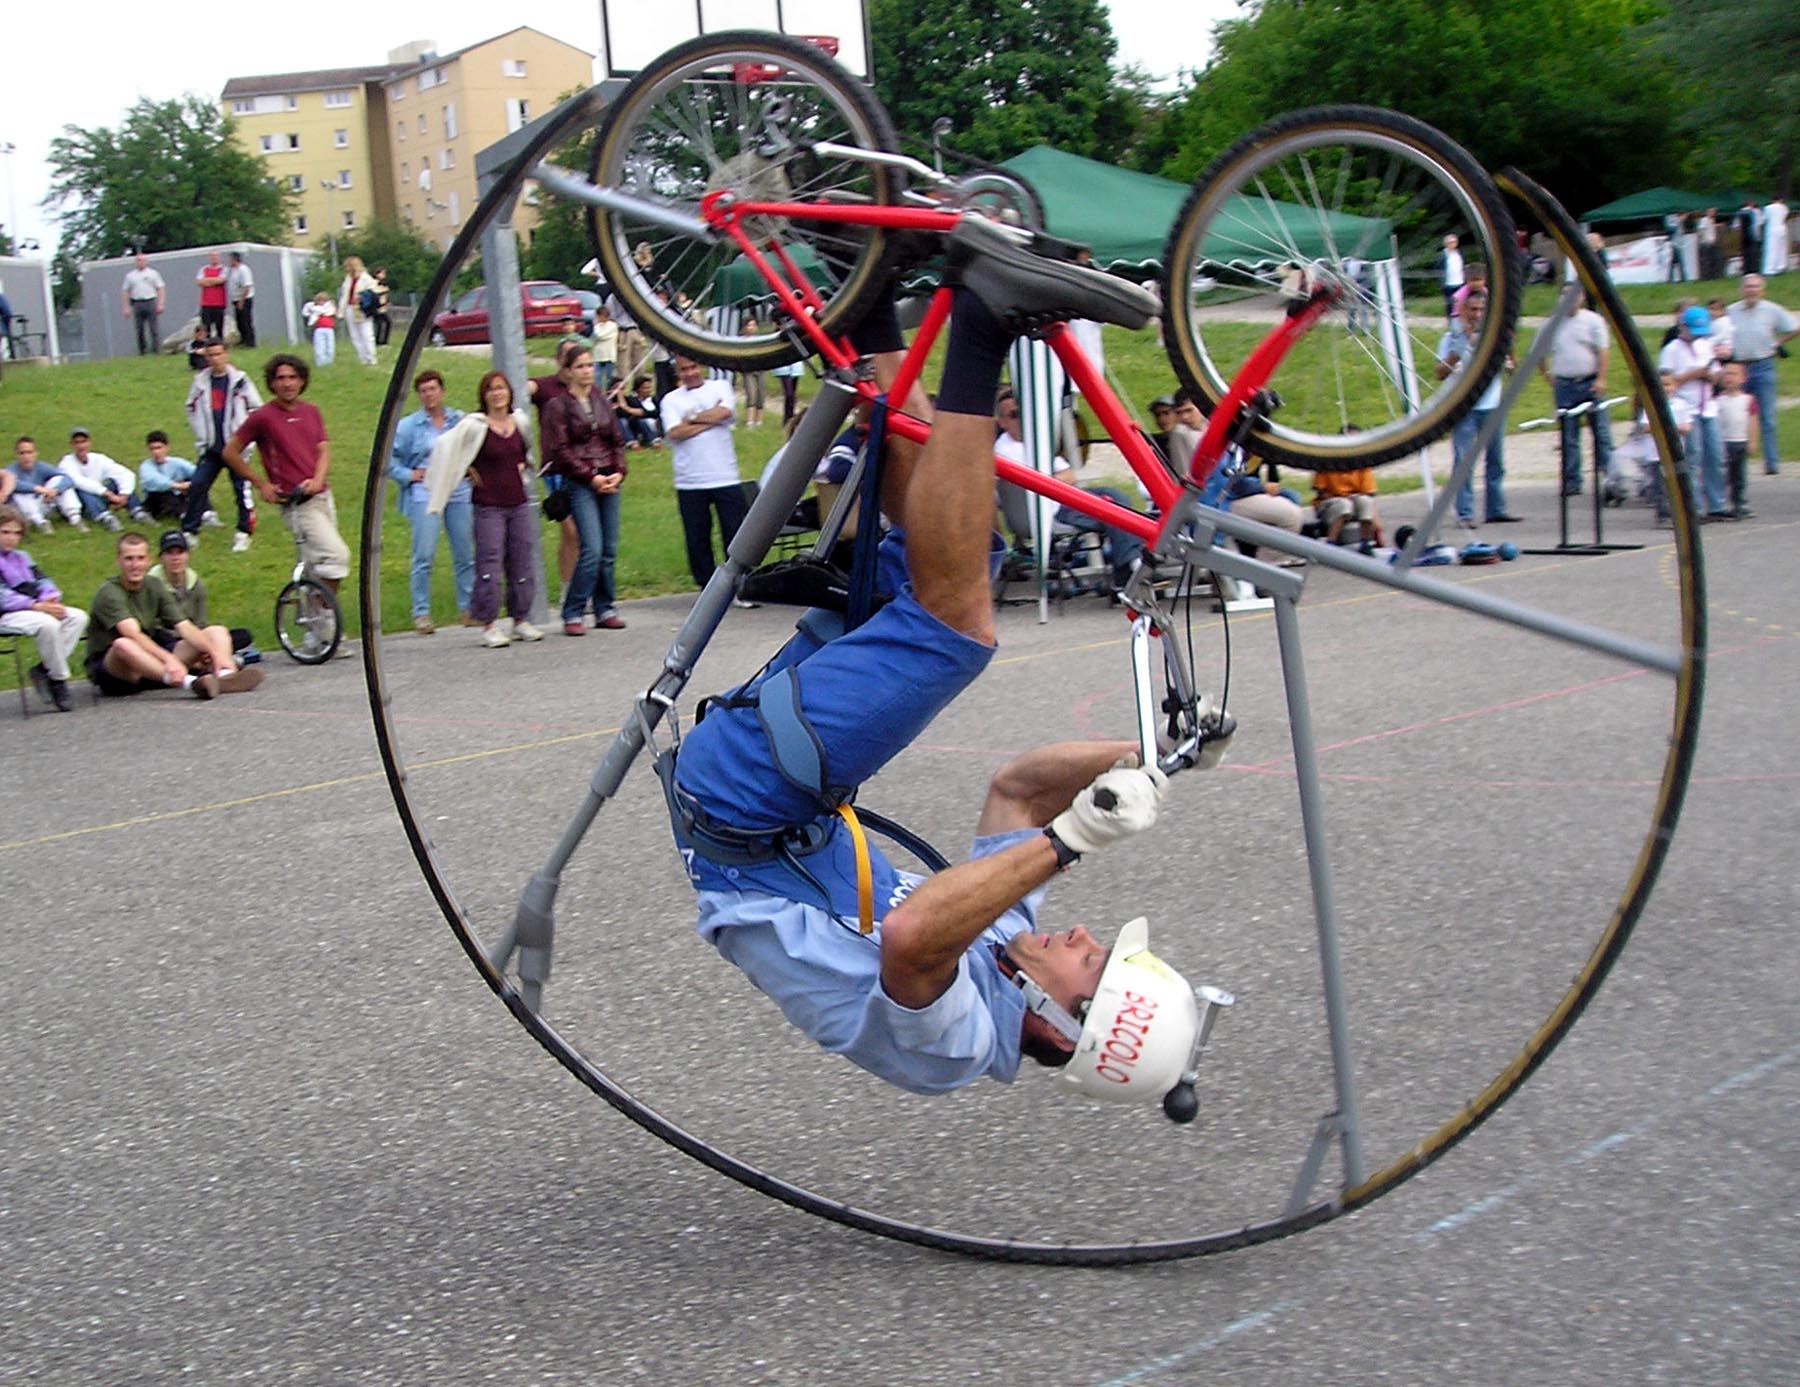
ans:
x=612 y=621
x=1745 y=513
x=139 y=514
x=211 y=521
x=240 y=680
x=193 y=541
x=525 y=631
x=40 y=680
x=1026 y=291
x=111 y=522
x=41 y=526
x=346 y=650
x=241 y=544
x=422 y=626
x=59 y=695
x=205 y=687
x=495 y=639
x=574 y=628
x=249 y=655
x=79 y=526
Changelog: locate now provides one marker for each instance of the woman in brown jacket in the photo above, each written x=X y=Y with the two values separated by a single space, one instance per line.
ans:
x=582 y=444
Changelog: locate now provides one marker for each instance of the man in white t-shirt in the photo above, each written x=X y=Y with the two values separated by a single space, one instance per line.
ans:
x=1576 y=370
x=145 y=297
x=1761 y=330
x=1689 y=363
x=697 y=417
x=1453 y=275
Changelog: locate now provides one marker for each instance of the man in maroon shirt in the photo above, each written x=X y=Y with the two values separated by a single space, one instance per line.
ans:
x=290 y=440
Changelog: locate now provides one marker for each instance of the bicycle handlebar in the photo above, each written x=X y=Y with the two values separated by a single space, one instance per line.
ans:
x=1572 y=412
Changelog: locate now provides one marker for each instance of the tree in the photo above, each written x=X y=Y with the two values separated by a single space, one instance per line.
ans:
x=408 y=257
x=1008 y=74
x=1574 y=92
x=1741 y=115
x=560 y=244
x=171 y=176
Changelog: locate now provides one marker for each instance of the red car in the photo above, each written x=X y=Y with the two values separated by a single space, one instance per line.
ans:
x=551 y=309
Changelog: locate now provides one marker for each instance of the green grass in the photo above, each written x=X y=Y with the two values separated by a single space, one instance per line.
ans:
x=1644 y=300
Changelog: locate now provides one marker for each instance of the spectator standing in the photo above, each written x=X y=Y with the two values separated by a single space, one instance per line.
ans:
x=41 y=488
x=213 y=295
x=138 y=638
x=1453 y=356
x=1451 y=265
x=145 y=296
x=1707 y=228
x=414 y=438
x=321 y=318
x=102 y=485
x=1691 y=365
x=662 y=360
x=1749 y=224
x=384 y=298
x=490 y=451
x=606 y=350
x=1735 y=411
x=1775 y=239
x=176 y=572
x=582 y=444
x=753 y=382
x=219 y=400
x=696 y=419
x=164 y=479
x=358 y=299
x=1760 y=330
x=1576 y=370
x=541 y=390
x=789 y=377
x=31 y=605
x=240 y=288
x=295 y=452
x=1675 y=226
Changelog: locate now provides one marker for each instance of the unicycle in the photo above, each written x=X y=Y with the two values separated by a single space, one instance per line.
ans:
x=308 y=623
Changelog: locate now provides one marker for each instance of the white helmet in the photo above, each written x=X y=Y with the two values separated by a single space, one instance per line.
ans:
x=1138 y=1035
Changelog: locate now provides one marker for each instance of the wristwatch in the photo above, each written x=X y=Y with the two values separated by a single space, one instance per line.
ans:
x=1066 y=856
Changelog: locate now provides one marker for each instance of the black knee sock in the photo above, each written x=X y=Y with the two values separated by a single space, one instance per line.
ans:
x=972 y=362
x=879 y=330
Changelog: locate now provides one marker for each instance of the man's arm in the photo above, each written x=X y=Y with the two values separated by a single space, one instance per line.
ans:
x=400 y=468
x=233 y=457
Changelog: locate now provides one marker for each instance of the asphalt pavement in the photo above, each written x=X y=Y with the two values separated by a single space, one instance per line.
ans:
x=262 y=1121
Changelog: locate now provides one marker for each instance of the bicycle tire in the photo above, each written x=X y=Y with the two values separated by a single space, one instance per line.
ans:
x=298 y=608
x=635 y=152
x=1418 y=185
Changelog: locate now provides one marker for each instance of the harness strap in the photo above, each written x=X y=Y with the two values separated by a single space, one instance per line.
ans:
x=865 y=874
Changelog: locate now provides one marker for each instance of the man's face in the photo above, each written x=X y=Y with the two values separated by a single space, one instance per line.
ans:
x=175 y=562
x=1008 y=415
x=141 y=261
x=216 y=360
x=158 y=451
x=690 y=373
x=134 y=563
x=431 y=394
x=1164 y=417
x=1474 y=309
x=1066 y=964
x=79 y=446
x=12 y=535
x=212 y=259
x=287 y=385
x=26 y=453
x=1753 y=288
x=1450 y=243
x=1188 y=413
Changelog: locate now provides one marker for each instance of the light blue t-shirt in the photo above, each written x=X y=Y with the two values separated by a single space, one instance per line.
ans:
x=414 y=438
x=1456 y=340
x=826 y=978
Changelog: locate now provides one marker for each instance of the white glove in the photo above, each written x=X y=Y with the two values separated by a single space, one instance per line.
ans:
x=1119 y=803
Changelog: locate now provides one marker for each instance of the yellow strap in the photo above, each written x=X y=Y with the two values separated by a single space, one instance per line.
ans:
x=865 y=876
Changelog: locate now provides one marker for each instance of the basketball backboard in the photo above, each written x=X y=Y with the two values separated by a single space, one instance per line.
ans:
x=633 y=34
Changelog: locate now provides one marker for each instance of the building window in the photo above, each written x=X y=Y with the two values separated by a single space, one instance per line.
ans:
x=518 y=114
x=278 y=144
x=349 y=221
x=455 y=208
x=340 y=139
x=400 y=129
x=343 y=178
x=297 y=182
x=267 y=143
x=447 y=159
x=244 y=106
x=450 y=122
x=300 y=225
x=407 y=212
x=421 y=122
x=406 y=173
x=430 y=210
x=290 y=103
x=337 y=98
x=512 y=67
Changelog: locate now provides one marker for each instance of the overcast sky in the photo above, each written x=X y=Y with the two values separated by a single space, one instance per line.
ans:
x=123 y=55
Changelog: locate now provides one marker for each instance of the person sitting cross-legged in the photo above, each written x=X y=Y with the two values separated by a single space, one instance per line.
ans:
x=175 y=568
x=163 y=478
x=929 y=983
x=31 y=605
x=138 y=638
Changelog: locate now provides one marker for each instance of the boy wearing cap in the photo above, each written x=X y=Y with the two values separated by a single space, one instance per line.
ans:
x=101 y=485
x=184 y=585
x=1689 y=362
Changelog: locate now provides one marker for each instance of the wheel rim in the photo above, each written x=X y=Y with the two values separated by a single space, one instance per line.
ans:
x=1370 y=210
x=698 y=130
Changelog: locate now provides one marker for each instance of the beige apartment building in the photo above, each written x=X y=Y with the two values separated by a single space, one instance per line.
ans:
x=399 y=141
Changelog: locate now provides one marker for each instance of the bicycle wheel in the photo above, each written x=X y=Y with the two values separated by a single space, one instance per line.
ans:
x=307 y=621
x=739 y=113
x=1368 y=200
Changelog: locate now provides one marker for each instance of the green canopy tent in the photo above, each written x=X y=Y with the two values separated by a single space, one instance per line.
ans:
x=1653 y=204
x=739 y=282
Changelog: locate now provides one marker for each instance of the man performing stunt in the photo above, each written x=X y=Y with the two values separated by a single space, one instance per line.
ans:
x=930 y=983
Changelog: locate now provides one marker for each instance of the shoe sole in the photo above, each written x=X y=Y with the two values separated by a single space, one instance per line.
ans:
x=240 y=680
x=981 y=258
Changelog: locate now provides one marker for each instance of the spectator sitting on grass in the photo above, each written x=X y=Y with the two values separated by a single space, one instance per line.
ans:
x=31 y=605
x=138 y=638
x=101 y=485
x=163 y=478
x=185 y=587
x=42 y=489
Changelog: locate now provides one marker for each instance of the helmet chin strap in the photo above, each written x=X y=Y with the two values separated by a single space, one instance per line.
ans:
x=1039 y=1002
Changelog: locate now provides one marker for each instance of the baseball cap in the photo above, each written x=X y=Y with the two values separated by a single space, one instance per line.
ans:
x=173 y=539
x=78 y=433
x=1697 y=321
x=1163 y=402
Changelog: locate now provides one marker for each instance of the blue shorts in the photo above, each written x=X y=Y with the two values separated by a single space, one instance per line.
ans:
x=867 y=696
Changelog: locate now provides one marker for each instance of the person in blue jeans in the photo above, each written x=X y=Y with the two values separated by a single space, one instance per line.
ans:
x=414 y=438
x=929 y=983
x=582 y=444
x=1453 y=356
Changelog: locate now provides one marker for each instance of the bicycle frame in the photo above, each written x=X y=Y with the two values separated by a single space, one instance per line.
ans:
x=1164 y=485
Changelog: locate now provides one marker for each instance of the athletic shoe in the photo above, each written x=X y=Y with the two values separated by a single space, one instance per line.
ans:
x=193 y=541
x=422 y=626
x=40 y=680
x=240 y=680
x=212 y=521
x=59 y=695
x=525 y=631
x=1026 y=291
x=138 y=513
x=240 y=544
x=111 y=522
x=345 y=651
x=739 y=602
x=79 y=525
x=612 y=621
x=1745 y=513
x=574 y=628
x=495 y=639
x=205 y=687
x=41 y=526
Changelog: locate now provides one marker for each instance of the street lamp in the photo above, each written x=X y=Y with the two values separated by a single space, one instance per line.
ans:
x=330 y=216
